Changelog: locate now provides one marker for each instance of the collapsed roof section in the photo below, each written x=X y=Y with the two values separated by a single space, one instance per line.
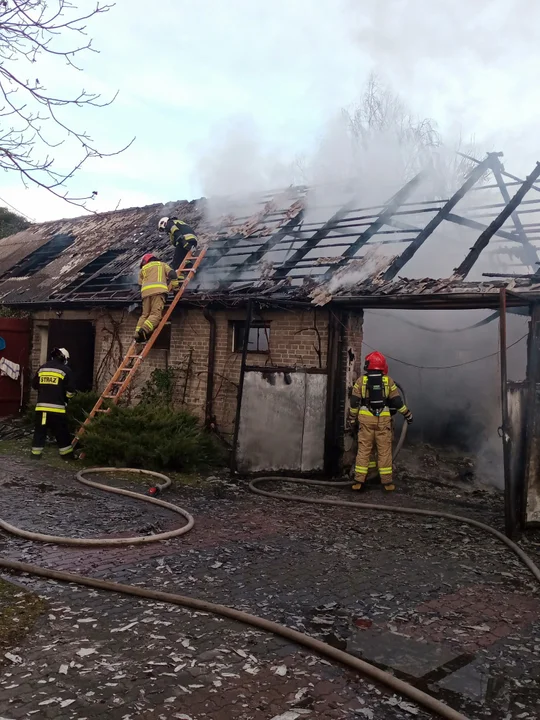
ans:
x=288 y=248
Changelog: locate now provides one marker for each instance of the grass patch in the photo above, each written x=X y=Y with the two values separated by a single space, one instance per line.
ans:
x=19 y=611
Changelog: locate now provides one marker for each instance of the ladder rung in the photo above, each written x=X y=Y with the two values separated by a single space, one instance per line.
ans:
x=107 y=397
x=118 y=382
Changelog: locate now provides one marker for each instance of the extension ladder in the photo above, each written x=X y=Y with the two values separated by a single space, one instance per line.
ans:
x=122 y=378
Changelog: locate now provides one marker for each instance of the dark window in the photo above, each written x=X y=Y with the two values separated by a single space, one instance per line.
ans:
x=163 y=340
x=258 y=338
x=78 y=337
x=41 y=257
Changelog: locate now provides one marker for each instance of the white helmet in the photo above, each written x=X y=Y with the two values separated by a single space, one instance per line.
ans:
x=162 y=224
x=60 y=354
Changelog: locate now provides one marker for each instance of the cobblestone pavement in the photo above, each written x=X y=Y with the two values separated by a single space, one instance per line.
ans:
x=438 y=604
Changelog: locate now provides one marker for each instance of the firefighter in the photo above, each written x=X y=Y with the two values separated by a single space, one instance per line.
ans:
x=54 y=384
x=155 y=279
x=182 y=238
x=375 y=398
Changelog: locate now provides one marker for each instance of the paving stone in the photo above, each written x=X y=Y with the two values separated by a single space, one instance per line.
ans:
x=400 y=653
x=290 y=563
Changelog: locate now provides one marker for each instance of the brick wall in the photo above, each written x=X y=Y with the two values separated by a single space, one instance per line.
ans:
x=296 y=339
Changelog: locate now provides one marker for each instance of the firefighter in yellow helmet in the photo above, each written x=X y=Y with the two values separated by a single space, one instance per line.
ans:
x=375 y=396
x=182 y=238
x=155 y=279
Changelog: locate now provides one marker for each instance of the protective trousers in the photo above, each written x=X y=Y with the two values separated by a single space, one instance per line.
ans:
x=152 y=311
x=58 y=425
x=374 y=431
x=180 y=253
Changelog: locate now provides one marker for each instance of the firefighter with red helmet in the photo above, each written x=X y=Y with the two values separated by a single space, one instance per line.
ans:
x=374 y=399
x=155 y=279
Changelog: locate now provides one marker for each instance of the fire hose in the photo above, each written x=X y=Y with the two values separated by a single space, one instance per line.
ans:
x=319 y=647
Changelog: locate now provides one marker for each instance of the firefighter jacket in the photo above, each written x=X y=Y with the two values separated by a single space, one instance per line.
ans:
x=180 y=233
x=154 y=278
x=54 y=384
x=360 y=399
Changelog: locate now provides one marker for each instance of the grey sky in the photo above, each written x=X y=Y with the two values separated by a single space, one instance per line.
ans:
x=272 y=75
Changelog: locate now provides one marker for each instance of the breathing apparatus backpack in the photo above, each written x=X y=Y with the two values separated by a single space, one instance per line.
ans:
x=375 y=391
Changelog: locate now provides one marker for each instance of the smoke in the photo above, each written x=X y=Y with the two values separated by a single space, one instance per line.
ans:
x=454 y=406
x=417 y=32
x=235 y=168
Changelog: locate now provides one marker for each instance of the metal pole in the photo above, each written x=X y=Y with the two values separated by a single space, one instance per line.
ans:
x=245 y=344
x=509 y=500
x=211 y=364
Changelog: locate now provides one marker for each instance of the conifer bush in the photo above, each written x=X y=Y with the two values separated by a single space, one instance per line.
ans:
x=151 y=437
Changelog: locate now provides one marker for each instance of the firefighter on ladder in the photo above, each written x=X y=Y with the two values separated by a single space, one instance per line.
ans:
x=182 y=238
x=155 y=279
x=54 y=384
x=374 y=398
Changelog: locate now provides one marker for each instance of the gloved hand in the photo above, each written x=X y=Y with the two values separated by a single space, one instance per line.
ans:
x=408 y=417
x=351 y=424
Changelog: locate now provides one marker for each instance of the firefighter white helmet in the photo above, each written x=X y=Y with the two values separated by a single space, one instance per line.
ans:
x=162 y=224
x=60 y=354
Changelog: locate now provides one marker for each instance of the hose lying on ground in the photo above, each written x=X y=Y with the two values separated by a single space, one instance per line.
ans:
x=253 y=486
x=113 y=542
x=311 y=643
x=299 y=638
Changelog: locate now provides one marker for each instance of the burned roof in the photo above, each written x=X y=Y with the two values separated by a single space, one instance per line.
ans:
x=285 y=247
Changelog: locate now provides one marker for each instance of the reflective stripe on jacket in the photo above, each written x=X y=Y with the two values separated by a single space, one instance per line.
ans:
x=54 y=384
x=153 y=278
x=391 y=393
x=180 y=233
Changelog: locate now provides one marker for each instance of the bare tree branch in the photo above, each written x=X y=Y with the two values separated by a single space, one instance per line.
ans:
x=380 y=113
x=31 y=117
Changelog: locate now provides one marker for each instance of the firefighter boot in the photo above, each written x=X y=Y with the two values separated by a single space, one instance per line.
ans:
x=140 y=336
x=389 y=487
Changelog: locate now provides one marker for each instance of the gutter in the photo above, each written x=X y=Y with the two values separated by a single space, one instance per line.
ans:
x=209 y=419
x=462 y=301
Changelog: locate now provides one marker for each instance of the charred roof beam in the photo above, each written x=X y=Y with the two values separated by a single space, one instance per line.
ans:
x=517 y=180
x=311 y=243
x=382 y=219
x=464 y=269
x=529 y=253
x=401 y=260
x=257 y=255
x=474 y=225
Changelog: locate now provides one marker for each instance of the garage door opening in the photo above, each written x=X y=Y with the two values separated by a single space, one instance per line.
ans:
x=78 y=337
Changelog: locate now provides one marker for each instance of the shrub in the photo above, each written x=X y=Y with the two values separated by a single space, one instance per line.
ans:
x=79 y=408
x=159 y=389
x=156 y=437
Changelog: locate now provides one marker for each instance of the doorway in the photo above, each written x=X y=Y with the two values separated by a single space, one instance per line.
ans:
x=78 y=337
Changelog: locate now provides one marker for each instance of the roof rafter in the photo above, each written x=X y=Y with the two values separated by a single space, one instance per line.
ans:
x=401 y=260
x=464 y=269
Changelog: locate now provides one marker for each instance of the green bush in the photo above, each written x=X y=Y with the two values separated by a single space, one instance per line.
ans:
x=156 y=438
x=79 y=408
x=159 y=389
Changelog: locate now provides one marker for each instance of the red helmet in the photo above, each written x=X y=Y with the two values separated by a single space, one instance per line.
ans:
x=147 y=258
x=376 y=361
